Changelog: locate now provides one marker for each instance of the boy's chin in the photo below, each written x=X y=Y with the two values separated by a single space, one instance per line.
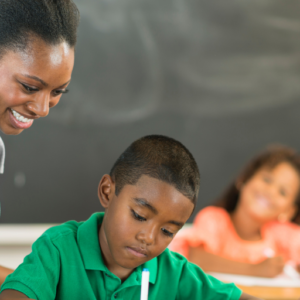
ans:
x=130 y=264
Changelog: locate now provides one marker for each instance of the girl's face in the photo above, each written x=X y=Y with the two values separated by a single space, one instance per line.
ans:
x=31 y=82
x=270 y=193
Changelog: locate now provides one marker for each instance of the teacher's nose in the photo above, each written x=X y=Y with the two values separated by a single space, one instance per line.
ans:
x=40 y=105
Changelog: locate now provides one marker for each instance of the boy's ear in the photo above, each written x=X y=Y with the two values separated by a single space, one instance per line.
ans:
x=106 y=190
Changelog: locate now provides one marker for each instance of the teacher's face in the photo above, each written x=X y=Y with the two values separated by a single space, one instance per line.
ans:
x=31 y=82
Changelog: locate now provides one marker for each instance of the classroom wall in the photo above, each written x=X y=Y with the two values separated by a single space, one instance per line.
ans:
x=220 y=76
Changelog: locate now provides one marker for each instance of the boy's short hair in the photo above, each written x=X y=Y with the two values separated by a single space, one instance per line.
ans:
x=159 y=157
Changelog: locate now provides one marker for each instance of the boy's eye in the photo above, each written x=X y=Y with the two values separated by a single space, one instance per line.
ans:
x=29 y=89
x=137 y=216
x=167 y=233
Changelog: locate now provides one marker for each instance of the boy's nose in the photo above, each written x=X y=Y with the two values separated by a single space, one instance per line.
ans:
x=147 y=236
x=40 y=105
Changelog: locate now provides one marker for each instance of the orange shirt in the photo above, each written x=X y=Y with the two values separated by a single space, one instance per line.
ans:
x=213 y=230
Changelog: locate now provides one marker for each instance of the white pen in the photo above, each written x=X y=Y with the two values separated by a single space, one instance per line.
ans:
x=145 y=284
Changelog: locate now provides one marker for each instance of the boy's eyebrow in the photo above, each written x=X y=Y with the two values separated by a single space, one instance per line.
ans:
x=145 y=203
x=179 y=224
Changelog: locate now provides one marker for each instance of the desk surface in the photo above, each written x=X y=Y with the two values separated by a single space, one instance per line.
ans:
x=272 y=293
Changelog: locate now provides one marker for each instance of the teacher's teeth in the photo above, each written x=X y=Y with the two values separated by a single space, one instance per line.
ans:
x=19 y=117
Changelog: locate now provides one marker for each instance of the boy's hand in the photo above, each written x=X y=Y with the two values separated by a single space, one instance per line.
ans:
x=12 y=295
x=245 y=296
x=3 y=273
x=270 y=267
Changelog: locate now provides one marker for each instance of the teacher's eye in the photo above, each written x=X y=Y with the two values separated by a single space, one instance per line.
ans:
x=59 y=92
x=137 y=216
x=167 y=233
x=29 y=89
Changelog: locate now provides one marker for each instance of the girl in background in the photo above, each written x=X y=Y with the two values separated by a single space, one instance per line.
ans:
x=253 y=229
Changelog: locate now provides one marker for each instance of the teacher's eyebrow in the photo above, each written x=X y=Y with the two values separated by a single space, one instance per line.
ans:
x=36 y=79
x=40 y=80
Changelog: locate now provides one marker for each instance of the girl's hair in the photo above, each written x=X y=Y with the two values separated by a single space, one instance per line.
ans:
x=53 y=21
x=270 y=158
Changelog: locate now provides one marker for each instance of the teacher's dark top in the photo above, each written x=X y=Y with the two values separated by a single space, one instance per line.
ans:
x=2 y=156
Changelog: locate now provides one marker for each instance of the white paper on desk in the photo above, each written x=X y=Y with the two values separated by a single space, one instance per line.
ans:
x=279 y=281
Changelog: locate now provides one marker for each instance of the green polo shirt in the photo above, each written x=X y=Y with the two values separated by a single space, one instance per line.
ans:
x=66 y=263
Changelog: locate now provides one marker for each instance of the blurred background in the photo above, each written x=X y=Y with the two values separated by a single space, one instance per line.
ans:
x=220 y=76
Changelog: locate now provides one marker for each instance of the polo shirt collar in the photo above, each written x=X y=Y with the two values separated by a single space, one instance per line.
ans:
x=88 y=243
x=151 y=265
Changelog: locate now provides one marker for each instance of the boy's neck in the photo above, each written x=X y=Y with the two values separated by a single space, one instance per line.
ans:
x=111 y=265
x=246 y=227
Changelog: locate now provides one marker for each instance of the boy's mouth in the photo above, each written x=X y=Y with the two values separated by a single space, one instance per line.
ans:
x=139 y=252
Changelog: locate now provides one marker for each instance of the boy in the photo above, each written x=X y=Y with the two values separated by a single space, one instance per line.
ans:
x=149 y=195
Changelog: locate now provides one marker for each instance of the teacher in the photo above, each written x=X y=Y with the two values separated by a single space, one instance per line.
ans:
x=37 y=40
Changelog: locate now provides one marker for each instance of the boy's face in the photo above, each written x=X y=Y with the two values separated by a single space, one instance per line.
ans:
x=140 y=222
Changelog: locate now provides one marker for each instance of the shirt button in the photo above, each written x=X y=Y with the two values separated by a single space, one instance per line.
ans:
x=115 y=296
